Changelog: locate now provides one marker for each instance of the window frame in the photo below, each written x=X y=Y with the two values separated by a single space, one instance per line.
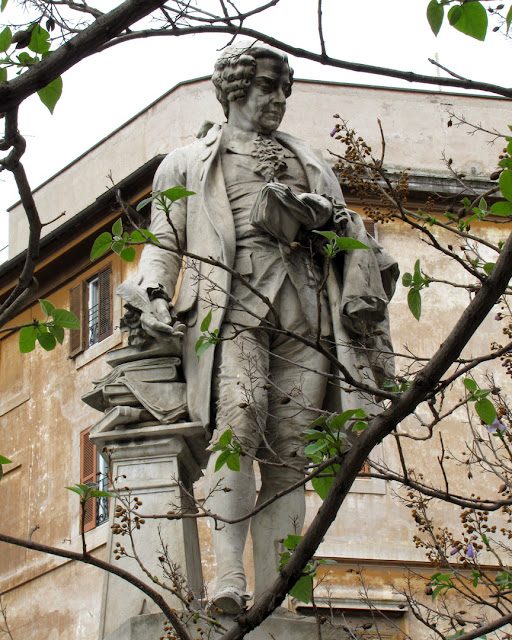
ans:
x=79 y=305
x=91 y=472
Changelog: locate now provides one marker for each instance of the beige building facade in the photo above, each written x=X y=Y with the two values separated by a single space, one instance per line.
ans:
x=42 y=419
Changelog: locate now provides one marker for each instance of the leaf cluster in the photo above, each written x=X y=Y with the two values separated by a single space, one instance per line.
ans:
x=303 y=589
x=336 y=244
x=208 y=338
x=231 y=452
x=36 y=40
x=89 y=491
x=469 y=18
x=415 y=282
x=49 y=331
x=120 y=241
x=327 y=437
x=483 y=406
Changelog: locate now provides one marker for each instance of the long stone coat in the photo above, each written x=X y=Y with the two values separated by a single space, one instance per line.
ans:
x=204 y=226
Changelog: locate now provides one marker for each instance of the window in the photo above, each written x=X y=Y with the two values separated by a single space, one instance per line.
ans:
x=371 y=227
x=91 y=301
x=365 y=468
x=93 y=469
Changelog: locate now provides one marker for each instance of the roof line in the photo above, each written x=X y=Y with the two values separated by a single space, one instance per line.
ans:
x=207 y=78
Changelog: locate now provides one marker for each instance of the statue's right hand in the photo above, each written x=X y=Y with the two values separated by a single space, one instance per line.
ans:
x=158 y=323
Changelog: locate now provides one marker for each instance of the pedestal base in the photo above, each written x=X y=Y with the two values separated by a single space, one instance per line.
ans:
x=156 y=467
x=282 y=624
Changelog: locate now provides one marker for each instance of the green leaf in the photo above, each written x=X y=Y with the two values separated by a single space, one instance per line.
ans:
x=502 y=209
x=454 y=15
x=118 y=246
x=505 y=163
x=488 y=267
x=414 y=302
x=222 y=459
x=226 y=438
x=117 y=228
x=407 y=279
x=27 y=339
x=303 y=589
x=435 y=15
x=201 y=346
x=506 y=184
x=5 y=39
x=291 y=541
x=136 y=236
x=486 y=411
x=205 y=324
x=47 y=307
x=39 y=41
x=338 y=421
x=470 y=19
x=176 y=193
x=322 y=486
x=57 y=332
x=102 y=494
x=4 y=460
x=4 y=4
x=508 y=18
x=314 y=447
x=146 y=201
x=76 y=489
x=66 y=319
x=417 y=277
x=3 y=74
x=330 y=235
x=128 y=254
x=233 y=462
x=151 y=236
x=348 y=244
x=101 y=245
x=470 y=385
x=50 y=94
x=47 y=341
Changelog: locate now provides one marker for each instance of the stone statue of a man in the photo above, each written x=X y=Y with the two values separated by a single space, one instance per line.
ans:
x=259 y=195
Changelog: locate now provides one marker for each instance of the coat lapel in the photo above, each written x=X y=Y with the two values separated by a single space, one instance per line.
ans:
x=215 y=201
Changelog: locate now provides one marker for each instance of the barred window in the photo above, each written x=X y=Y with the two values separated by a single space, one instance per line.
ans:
x=91 y=301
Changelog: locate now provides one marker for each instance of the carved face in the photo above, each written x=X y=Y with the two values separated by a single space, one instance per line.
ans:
x=263 y=108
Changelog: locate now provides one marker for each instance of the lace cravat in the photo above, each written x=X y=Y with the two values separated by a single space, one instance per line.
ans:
x=270 y=157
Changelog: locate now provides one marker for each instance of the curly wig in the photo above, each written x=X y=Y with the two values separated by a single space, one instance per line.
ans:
x=235 y=69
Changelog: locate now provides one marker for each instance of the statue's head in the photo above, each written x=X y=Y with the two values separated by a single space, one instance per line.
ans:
x=252 y=82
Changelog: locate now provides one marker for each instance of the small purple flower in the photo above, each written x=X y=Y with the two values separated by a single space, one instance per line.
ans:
x=334 y=131
x=470 y=551
x=497 y=316
x=496 y=426
x=454 y=551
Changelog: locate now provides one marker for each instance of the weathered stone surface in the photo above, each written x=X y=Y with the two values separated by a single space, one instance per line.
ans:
x=282 y=624
x=155 y=470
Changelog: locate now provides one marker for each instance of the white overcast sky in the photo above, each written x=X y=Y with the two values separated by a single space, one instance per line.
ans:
x=105 y=90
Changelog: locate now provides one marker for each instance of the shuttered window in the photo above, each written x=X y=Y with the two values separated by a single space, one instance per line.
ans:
x=88 y=474
x=371 y=227
x=93 y=471
x=91 y=301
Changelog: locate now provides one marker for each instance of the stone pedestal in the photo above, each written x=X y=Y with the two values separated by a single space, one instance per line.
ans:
x=150 y=463
x=282 y=624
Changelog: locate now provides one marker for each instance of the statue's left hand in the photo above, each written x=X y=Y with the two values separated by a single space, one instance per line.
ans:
x=320 y=205
x=158 y=323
